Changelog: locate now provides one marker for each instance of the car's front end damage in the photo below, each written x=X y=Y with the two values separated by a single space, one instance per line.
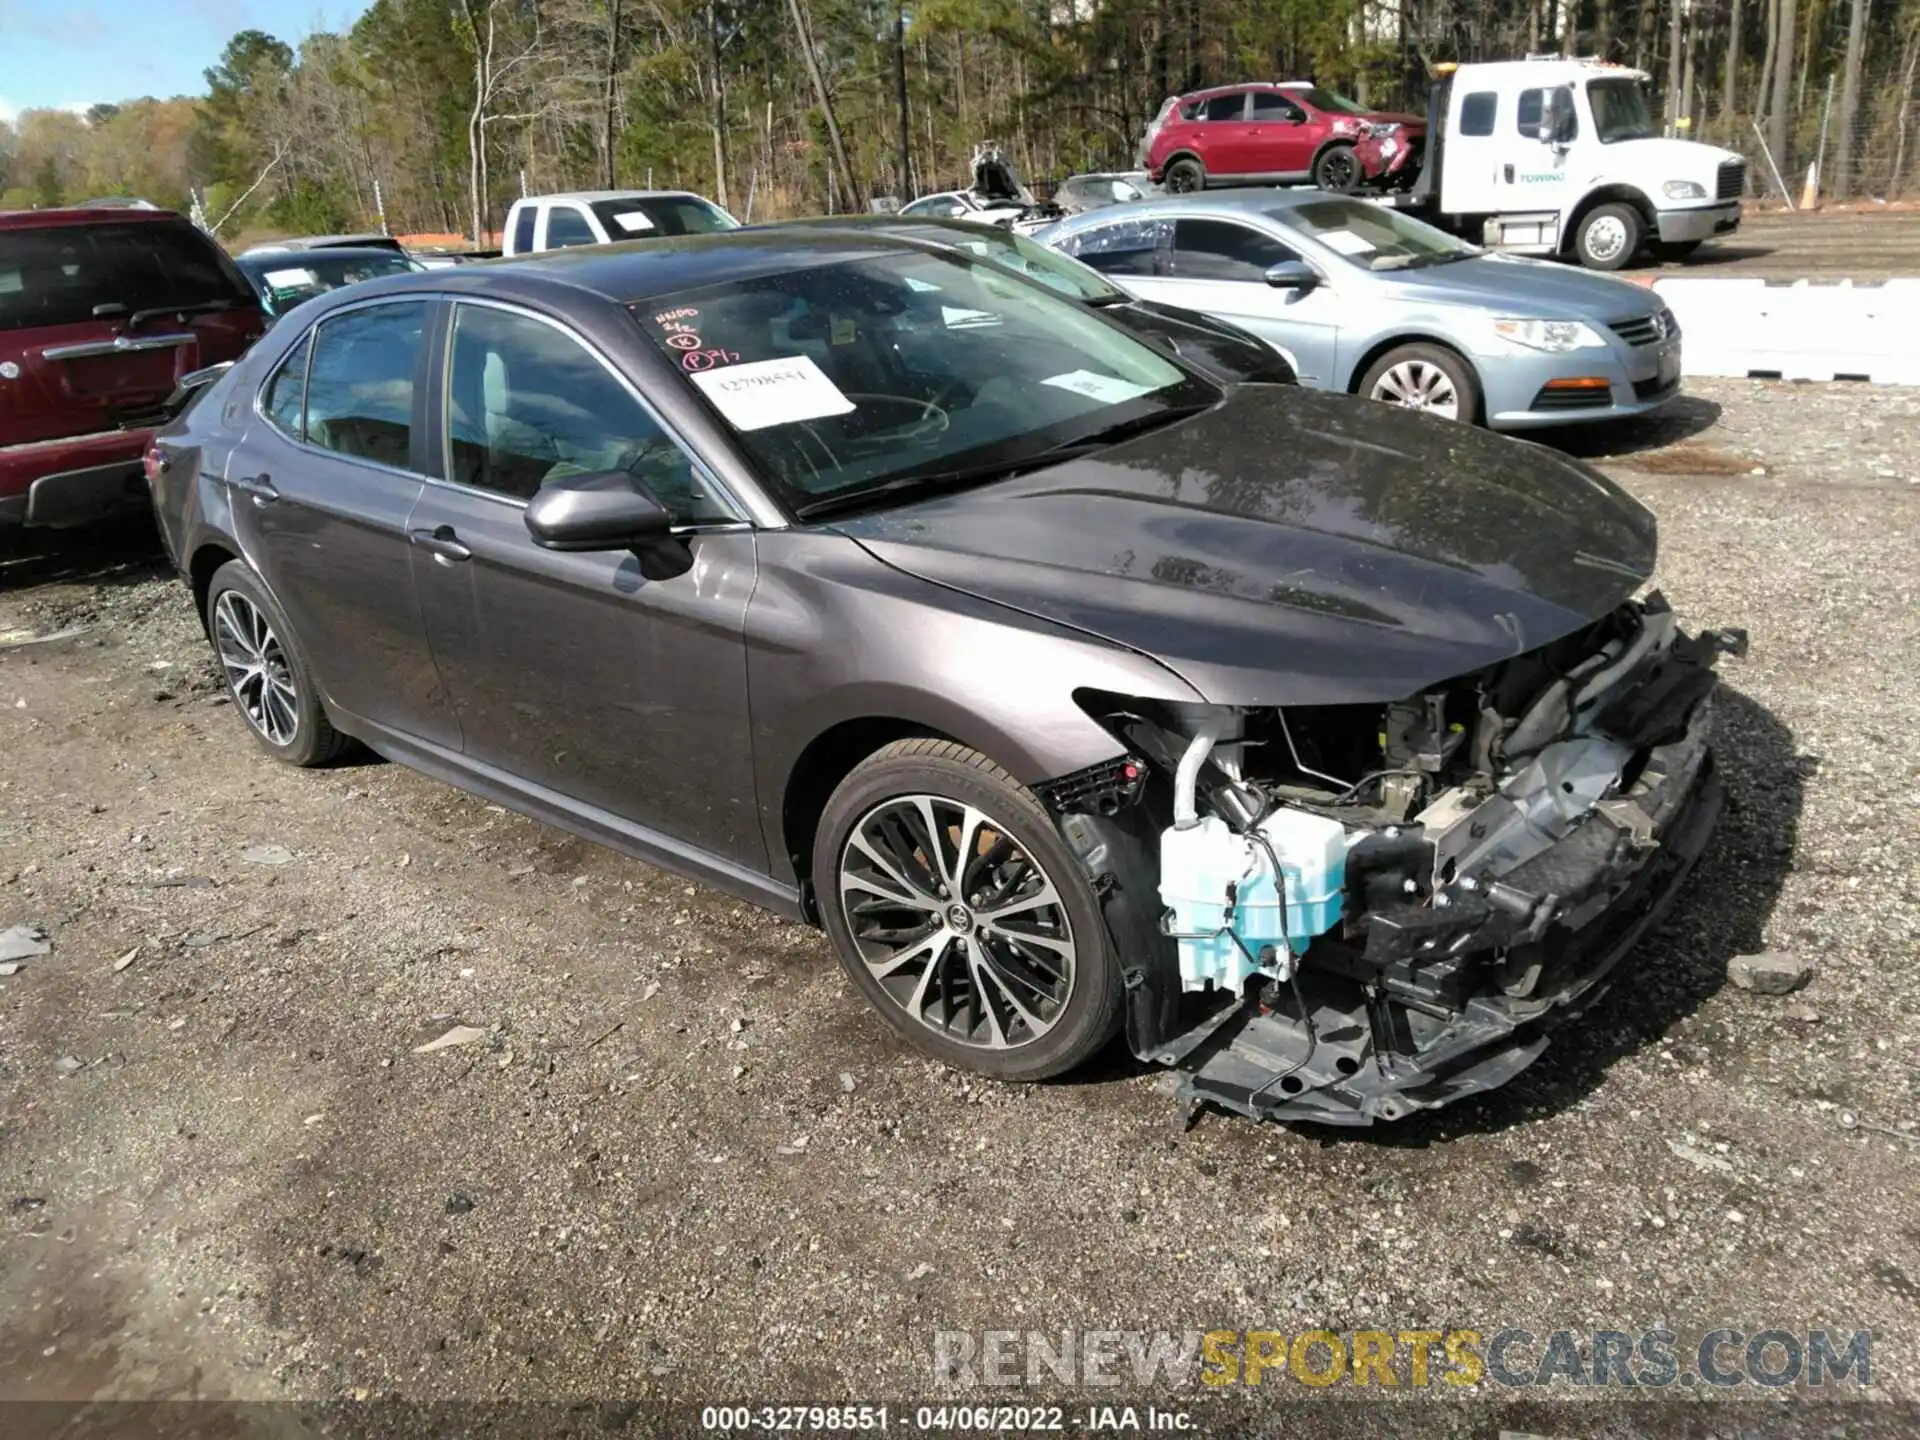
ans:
x=1368 y=910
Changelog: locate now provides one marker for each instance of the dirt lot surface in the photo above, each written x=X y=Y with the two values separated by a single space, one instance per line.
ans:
x=684 y=1162
x=1867 y=245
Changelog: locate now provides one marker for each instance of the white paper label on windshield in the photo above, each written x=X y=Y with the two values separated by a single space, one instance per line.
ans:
x=764 y=393
x=634 y=221
x=283 y=279
x=1110 y=389
x=1345 y=242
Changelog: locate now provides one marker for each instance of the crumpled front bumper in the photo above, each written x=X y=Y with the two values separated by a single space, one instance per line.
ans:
x=1616 y=875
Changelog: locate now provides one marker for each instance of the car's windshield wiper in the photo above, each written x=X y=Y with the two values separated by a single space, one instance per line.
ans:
x=1004 y=469
x=192 y=307
x=1100 y=302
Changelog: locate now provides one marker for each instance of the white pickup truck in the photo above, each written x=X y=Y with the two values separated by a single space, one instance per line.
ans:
x=1560 y=157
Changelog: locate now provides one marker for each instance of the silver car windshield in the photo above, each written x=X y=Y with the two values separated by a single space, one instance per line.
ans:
x=890 y=371
x=1372 y=236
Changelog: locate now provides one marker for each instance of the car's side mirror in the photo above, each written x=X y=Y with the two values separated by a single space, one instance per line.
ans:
x=1292 y=275
x=607 y=511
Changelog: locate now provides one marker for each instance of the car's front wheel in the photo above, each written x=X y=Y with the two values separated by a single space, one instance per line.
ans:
x=961 y=914
x=1337 y=169
x=266 y=671
x=1425 y=378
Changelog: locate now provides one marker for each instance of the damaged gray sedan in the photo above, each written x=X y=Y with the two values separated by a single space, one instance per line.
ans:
x=1329 y=752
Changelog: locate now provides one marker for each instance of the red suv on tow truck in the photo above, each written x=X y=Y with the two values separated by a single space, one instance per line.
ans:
x=1278 y=134
x=102 y=313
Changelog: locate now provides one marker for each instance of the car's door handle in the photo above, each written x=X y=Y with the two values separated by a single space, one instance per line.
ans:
x=259 y=487
x=442 y=544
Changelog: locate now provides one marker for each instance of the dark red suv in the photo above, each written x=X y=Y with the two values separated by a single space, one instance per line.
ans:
x=102 y=314
x=1266 y=134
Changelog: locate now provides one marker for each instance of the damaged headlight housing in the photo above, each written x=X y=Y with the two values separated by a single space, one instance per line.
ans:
x=1556 y=337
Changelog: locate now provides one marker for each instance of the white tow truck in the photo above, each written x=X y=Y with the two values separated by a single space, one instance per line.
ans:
x=1550 y=156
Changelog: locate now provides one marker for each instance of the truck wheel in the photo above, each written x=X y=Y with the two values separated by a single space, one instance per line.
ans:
x=1337 y=170
x=1186 y=176
x=1609 y=236
x=1425 y=378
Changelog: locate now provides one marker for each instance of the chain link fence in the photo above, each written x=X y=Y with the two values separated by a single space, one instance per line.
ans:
x=1881 y=164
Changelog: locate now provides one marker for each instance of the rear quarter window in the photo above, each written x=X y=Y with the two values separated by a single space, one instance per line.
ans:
x=1476 y=113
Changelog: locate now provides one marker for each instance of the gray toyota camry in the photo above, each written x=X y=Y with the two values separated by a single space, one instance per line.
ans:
x=1330 y=752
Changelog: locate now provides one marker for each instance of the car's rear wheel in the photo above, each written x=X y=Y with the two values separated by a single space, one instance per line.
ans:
x=960 y=913
x=1425 y=378
x=1186 y=176
x=266 y=671
x=1337 y=169
x=1609 y=236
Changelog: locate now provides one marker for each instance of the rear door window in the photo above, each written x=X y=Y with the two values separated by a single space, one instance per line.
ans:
x=67 y=275
x=1476 y=113
x=1225 y=107
x=1123 y=247
x=361 y=381
x=568 y=227
x=1222 y=250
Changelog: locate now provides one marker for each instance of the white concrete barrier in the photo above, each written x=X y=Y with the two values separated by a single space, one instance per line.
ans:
x=1800 y=331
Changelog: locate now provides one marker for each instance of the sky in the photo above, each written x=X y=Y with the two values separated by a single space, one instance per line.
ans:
x=76 y=53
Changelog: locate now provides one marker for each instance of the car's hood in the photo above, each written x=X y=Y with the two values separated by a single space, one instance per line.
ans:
x=1514 y=285
x=1289 y=547
x=1660 y=158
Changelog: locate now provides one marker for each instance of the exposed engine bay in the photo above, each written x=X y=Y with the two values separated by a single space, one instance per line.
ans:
x=1349 y=913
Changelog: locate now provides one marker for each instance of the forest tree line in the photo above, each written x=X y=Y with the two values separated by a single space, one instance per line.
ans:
x=432 y=115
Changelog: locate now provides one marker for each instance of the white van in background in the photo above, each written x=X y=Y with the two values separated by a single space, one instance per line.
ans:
x=600 y=217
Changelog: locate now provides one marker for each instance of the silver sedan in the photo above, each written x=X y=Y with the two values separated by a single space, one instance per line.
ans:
x=1366 y=300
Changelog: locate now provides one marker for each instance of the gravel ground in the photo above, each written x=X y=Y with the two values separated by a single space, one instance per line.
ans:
x=683 y=1162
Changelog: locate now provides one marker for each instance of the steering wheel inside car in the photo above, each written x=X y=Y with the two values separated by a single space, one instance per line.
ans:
x=930 y=423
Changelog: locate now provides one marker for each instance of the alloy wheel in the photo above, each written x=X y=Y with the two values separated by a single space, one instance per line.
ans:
x=957 y=922
x=256 y=667
x=1338 y=171
x=1419 y=385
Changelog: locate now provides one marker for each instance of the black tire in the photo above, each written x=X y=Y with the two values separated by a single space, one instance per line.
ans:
x=1186 y=176
x=1675 y=250
x=1609 y=236
x=1459 y=374
x=312 y=739
x=1337 y=170
x=1088 y=1016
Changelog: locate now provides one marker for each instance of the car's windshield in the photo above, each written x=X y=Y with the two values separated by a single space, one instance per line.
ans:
x=1037 y=262
x=64 y=275
x=637 y=219
x=287 y=280
x=899 y=372
x=1620 y=110
x=1372 y=236
x=1329 y=101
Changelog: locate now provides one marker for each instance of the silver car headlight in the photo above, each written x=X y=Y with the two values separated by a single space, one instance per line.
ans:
x=1554 y=336
x=1683 y=190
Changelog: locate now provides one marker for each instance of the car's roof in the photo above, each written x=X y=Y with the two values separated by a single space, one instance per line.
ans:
x=1212 y=202
x=636 y=271
x=591 y=196
x=270 y=259
x=1550 y=71
x=81 y=215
